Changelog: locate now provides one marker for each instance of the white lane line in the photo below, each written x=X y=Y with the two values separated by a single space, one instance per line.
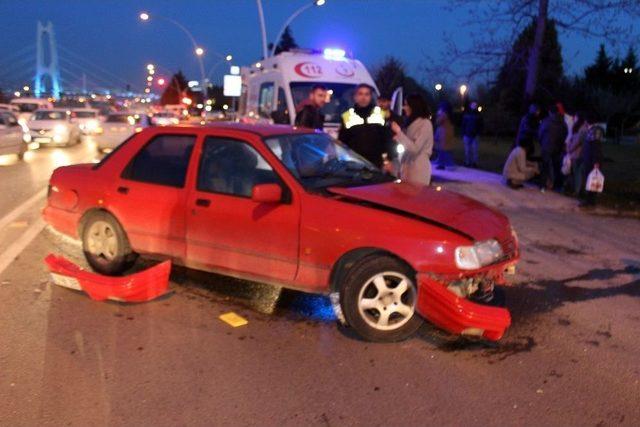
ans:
x=16 y=248
x=14 y=214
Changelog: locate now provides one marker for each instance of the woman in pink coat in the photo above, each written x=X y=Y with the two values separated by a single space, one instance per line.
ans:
x=416 y=141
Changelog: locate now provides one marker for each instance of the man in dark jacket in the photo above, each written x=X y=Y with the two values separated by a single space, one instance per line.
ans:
x=308 y=113
x=552 y=134
x=471 y=129
x=363 y=127
x=528 y=131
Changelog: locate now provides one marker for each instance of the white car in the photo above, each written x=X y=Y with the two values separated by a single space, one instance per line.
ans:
x=9 y=108
x=52 y=127
x=88 y=120
x=28 y=106
x=11 y=135
x=164 y=118
x=118 y=127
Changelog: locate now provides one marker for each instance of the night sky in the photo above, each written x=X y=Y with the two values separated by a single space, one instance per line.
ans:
x=117 y=45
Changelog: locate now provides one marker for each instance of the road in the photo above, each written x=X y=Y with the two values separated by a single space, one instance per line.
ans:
x=570 y=358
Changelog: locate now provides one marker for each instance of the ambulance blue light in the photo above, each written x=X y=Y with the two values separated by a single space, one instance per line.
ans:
x=334 y=53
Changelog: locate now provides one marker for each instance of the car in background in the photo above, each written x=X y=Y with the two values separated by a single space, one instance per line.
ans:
x=215 y=116
x=88 y=120
x=117 y=127
x=28 y=106
x=11 y=135
x=52 y=127
x=298 y=209
x=164 y=118
x=10 y=108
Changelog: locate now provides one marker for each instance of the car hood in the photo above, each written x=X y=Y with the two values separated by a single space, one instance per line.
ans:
x=46 y=124
x=446 y=209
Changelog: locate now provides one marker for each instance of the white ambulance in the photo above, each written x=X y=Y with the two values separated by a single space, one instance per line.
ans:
x=273 y=89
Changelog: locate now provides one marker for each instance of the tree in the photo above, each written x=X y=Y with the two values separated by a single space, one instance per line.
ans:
x=494 y=25
x=510 y=88
x=177 y=89
x=391 y=75
x=286 y=42
x=599 y=74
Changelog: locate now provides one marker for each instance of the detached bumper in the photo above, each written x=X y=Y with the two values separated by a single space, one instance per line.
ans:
x=459 y=315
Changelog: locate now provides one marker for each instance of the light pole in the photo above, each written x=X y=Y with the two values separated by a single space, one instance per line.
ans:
x=226 y=58
x=463 y=91
x=290 y=20
x=198 y=50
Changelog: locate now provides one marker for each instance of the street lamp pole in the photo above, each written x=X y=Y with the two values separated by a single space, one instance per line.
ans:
x=199 y=51
x=290 y=20
x=263 y=29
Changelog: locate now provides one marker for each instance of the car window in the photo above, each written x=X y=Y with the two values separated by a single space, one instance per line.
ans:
x=163 y=161
x=265 y=103
x=50 y=115
x=229 y=166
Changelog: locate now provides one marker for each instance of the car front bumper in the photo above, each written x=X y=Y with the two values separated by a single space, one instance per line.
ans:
x=459 y=315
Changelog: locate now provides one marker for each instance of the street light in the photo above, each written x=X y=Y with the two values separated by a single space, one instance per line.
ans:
x=438 y=87
x=26 y=88
x=463 y=90
x=291 y=18
x=223 y=59
x=199 y=51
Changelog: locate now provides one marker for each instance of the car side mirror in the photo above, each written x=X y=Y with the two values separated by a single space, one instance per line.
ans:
x=266 y=193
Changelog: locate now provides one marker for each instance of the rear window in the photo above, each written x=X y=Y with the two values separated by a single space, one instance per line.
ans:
x=163 y=161
x=85 y=114
x=118 y=118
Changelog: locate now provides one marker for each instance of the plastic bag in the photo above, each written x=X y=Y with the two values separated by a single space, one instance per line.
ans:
x=566 y=165
x=595 y=181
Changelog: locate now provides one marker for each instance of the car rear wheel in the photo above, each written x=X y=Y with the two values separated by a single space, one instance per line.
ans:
x=379 y=298
x=105 y=244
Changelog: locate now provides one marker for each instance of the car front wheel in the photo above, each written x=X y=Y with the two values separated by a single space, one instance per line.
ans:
x=105 y=244
x=379 y=298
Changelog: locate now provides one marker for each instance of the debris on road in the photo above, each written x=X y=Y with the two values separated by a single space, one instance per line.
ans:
x=233 y=319
x=138 y=287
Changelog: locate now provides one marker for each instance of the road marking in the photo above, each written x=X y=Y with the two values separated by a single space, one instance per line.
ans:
x=16 y=248
x=14 y=214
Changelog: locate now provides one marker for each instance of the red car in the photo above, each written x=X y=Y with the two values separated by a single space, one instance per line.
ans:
x=294 y=208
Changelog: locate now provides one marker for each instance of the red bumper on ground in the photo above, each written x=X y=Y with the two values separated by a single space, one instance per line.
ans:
x=458 y=315
x=138 y=287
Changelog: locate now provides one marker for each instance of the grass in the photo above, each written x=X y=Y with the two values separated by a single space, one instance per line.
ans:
x=621 y=169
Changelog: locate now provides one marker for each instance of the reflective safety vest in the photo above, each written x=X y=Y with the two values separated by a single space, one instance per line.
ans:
x=350 y=118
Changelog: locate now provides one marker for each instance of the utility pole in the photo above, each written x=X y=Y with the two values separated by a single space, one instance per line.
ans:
x=265 y=52
x=534 y=54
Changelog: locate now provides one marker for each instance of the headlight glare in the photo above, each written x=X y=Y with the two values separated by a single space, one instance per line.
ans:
x=60 y=129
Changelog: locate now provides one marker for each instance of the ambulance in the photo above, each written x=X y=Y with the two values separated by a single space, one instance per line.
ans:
x=273 y=88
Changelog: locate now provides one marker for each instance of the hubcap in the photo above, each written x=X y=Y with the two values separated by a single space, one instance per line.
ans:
x=387 y=301
x=102 y=240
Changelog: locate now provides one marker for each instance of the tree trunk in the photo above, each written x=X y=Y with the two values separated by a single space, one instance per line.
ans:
x=534 y=55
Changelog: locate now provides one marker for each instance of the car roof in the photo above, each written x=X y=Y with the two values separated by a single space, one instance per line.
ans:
x=259 y=129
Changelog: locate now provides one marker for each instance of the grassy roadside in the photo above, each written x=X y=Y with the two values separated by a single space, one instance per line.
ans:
x=621 y=169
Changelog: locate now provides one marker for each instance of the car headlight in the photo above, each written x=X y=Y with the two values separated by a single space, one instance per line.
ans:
x=60 y=129
x=91 y=125
x=479 y=255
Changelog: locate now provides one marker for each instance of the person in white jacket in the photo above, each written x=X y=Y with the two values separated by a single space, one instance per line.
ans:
x=517 y=169
x=416 y=142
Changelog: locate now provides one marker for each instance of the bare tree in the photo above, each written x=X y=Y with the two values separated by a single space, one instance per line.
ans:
x=494 y=25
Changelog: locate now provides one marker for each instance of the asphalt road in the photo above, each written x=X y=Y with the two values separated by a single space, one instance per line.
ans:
x=572 y=356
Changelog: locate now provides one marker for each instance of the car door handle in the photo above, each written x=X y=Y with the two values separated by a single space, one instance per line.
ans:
x=123 y=190
x=205 y=203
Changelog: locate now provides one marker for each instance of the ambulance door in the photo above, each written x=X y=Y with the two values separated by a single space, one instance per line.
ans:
x=397 y=99
x=284 y=113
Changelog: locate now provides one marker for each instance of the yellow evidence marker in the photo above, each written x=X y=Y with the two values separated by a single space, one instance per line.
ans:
x=233 y=319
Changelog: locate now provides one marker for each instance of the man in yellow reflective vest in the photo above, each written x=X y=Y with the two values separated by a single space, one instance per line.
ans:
x=363 y=127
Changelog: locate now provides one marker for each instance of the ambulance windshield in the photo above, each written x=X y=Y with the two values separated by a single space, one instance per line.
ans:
x=340 y=97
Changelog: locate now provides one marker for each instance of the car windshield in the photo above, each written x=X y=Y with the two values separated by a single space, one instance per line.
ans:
x=119 y=118
x=85 y=114
x=50 y=115
x=27 y=107
x=340 y=97
x=318 y=161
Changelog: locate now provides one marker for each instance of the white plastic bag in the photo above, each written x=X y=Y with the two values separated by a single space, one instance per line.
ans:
x=595 y=181
x=566 y=165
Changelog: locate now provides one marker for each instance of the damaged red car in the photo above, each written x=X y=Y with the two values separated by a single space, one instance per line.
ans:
x=297 y=209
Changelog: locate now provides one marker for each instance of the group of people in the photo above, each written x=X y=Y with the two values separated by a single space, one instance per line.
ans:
x=402 y=146
x=570 y=148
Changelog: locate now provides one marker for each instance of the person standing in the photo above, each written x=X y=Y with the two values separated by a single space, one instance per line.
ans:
x=471 y=129
x=552 y=135
x=417 y=142
x=392 y=161
x=443 y=137
x=308 y=113
x=363 y=127
x=574 y=182
x=528 y=130
x=592 y=158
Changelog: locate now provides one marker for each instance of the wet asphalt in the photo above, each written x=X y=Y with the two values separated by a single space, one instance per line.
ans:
x=570 y=358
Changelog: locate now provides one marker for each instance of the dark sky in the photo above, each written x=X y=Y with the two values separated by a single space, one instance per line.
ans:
x=115 y=45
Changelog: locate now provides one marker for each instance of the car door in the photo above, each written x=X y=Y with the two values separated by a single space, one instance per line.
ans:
x=149 y=197
x=226 y=229
x=10 y=134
